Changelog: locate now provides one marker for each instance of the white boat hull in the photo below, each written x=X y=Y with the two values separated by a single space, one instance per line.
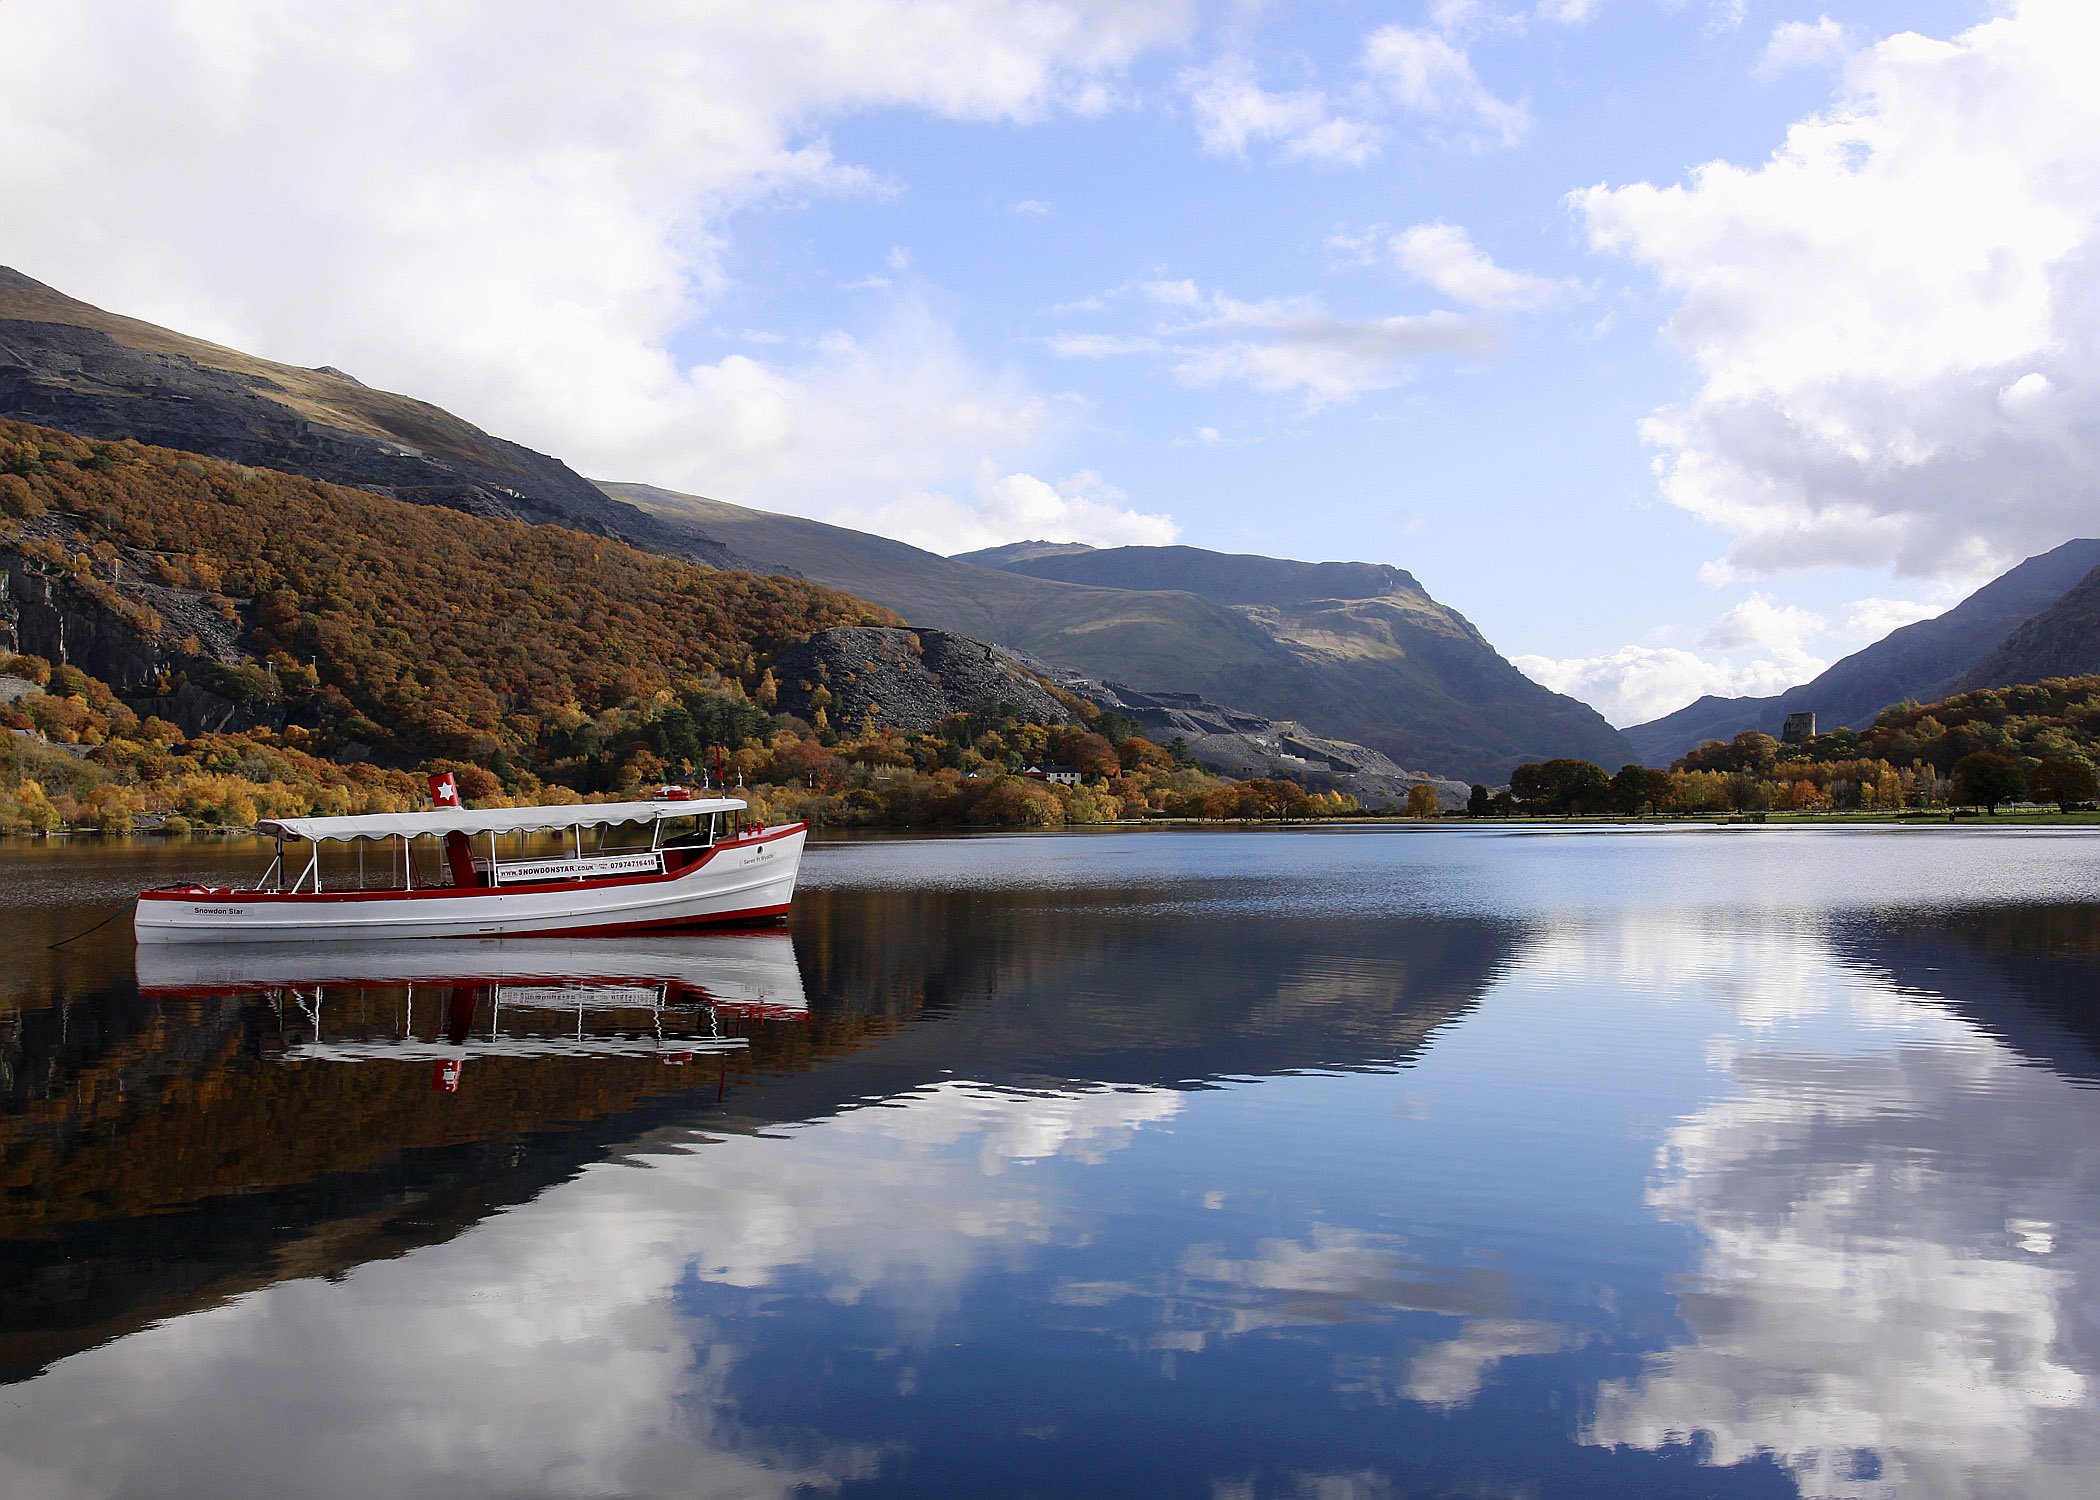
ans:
x=749 y=879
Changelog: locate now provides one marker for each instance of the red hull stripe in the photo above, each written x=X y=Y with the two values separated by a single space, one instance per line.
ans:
x=747 y=917
x=453 y=892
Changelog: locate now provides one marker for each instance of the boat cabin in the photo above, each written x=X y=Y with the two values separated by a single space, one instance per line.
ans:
x=453 y=848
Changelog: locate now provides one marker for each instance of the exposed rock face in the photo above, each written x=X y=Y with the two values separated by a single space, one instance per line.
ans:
x=1236 y=743
x=67 y=365
x=47 y=614
x=907 y=679
x=2062 y=641
x=1373 y=656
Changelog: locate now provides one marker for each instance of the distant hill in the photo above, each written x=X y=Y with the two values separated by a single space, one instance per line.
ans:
x=1159 y=639
x=68 y=365
x=1928 y=660
x=2062 y=641
x=1355 y=651
x=1397 y=670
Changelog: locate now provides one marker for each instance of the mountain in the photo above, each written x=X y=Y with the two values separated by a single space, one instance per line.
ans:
x=1395 y=669
x=2062 y=641
x=1161 y=639
x=68 y=365
x=1378 y=661
x=218 y=596
x=1925 y=661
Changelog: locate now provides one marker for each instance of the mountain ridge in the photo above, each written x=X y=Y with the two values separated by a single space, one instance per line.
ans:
x=1925 y=660
x=1404 y=674
x=2062 y=641
x=67 y=364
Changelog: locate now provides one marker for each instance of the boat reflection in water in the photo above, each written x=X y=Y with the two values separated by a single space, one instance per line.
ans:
x=667 y=999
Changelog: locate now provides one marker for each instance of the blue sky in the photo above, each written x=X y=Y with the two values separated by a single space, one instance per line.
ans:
x=1437 y=284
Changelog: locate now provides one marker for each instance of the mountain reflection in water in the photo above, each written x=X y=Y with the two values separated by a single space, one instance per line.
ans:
x=1320 y=1165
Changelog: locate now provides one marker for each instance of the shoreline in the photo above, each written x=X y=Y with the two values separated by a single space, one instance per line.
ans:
x=1541 y=822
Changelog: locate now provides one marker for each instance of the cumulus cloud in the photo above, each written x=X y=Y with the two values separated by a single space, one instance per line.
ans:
x=1232 y=110
x=1445 y=257
x=1428 y=73
x=518 y=214
x=1002 y=507
x=1637 y=683
x=1871 y=619
x=1754 y=648
x=1761 y=623
x=1821 y=43
x=1895 y=320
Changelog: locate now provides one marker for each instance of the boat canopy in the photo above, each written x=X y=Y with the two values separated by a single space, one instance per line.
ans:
x=495 y=819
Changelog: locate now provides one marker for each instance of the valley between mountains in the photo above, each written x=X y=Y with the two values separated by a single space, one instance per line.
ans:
x=1338 y=673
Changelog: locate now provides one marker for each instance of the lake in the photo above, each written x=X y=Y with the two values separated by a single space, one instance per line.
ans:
x=1312 y=1163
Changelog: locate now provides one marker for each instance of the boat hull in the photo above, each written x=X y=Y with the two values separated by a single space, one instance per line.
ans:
x=745 y=880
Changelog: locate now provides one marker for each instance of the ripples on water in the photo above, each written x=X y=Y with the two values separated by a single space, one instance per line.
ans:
x=1321 y=1163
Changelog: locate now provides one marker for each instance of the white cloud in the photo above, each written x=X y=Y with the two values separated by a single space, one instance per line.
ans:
x=1821 y=43
x=1008 y=507
x=1760 y=623
x=1232 y=110
x=1297 y=345
x=1032 y=208
x=1100 y=345
x=1426 y=73
x=1871 y=619
x=1895 y=321
x=1444 y=256
x=1755 y=648
x=517 y=214
x=1637 y=683
x=1291 y=345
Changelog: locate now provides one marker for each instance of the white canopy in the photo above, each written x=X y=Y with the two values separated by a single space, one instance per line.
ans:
x=494 y=819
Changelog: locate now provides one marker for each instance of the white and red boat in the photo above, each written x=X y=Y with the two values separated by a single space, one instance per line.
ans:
x=674 y=861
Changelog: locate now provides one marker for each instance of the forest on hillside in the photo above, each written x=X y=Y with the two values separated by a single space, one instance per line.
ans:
x=2039 y=742
x=373 y=638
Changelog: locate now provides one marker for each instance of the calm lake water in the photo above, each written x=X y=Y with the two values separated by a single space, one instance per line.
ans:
x=1686 y=1162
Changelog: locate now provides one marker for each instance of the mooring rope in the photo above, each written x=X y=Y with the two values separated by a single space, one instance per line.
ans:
x=115 y=911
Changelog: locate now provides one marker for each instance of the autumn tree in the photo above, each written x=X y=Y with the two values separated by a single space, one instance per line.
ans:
x=1985 y=779
x=1422 y=801
x=2064 y=780
x=1564 y=785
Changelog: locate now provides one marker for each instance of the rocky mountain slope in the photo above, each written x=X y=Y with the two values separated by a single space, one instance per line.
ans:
x=909 y=679
x=68 y=365
x=1355 y=651
x=2062 y=641
x=221 y=596
x=1348 y=650
x=1158 y=638
x=1395 y=669
x=1239 y=744
x=1926 y=661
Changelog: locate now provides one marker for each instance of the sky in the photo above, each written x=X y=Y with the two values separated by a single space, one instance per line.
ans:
x=1684 y=346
